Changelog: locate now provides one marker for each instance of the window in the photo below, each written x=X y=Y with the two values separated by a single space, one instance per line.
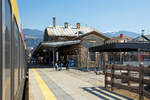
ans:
x=6 y=48
x=92 y=56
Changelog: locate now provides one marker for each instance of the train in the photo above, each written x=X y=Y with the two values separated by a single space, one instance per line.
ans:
x=13 y=65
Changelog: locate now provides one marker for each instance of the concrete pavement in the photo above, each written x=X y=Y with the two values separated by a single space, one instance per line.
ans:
x=69 y=85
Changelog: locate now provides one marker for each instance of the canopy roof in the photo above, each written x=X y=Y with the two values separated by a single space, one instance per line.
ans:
x=51 y=45
x=59 y=44
x=120 y=47
x=142 y=38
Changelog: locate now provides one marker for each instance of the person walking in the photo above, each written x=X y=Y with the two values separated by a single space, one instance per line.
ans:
x=60 y=64
x=56 y=66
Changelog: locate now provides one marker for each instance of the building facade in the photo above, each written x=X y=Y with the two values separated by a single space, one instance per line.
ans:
x=72 y=42
x=118 y=57
x=119 y=39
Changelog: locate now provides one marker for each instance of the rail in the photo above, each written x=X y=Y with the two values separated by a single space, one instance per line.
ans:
x=110 y=73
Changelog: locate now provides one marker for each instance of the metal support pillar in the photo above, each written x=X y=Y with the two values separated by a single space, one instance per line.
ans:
x=54 y=57
x=49 y=62
x=57 y=56
x=100 y=61
x=50 y=59
x=123 y=57
x=139 y=56
x=104 y=58
x=87 y=59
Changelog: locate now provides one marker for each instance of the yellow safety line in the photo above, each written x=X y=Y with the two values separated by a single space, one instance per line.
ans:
x=48 y=95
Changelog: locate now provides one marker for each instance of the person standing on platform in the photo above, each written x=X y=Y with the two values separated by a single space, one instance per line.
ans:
x=67 y=63
x=60 y=64
x=56 y=65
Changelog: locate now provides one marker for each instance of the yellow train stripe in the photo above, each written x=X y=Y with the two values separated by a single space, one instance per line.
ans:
x=48 y=95
x=14 y=8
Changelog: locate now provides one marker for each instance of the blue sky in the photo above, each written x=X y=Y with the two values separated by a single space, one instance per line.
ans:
x=104 y=15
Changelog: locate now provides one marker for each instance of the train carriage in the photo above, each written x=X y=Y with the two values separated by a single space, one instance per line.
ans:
x=12 y=52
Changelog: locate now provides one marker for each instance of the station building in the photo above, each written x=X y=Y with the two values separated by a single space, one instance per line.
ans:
x=70 y=42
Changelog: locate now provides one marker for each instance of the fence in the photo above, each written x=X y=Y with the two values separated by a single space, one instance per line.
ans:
x=141 y=70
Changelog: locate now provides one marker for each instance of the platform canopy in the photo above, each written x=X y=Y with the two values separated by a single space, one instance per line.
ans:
x=52 y=45
x=121 y=47
x=59 y=44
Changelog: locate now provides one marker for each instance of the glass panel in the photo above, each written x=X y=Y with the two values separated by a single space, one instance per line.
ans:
x=7 y=54
x=16 y=58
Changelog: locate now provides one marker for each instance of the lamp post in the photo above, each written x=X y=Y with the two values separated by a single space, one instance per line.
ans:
x=142 y=33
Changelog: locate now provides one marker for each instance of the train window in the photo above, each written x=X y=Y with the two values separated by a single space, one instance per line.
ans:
x=7 y=52
x=16 y=56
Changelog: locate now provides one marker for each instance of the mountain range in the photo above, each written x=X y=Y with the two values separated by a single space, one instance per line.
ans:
x=126 y=33
x=34 y=36
x=32 y=32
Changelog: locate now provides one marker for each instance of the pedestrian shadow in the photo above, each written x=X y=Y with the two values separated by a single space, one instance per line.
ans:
x=105 y=94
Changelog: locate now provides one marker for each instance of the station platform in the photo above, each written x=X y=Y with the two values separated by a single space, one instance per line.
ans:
x=48 y=84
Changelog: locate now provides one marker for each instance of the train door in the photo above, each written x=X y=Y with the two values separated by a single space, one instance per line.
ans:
x=0 y=49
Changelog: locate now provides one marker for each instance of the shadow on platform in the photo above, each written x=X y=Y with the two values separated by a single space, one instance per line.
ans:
x=84 y=69
x=105 y=94
x=39 y=66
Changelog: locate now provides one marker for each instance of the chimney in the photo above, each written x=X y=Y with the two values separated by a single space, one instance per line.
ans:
x=121 y=35
x=78 y=25
x=54 y=22
x=66 y=24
